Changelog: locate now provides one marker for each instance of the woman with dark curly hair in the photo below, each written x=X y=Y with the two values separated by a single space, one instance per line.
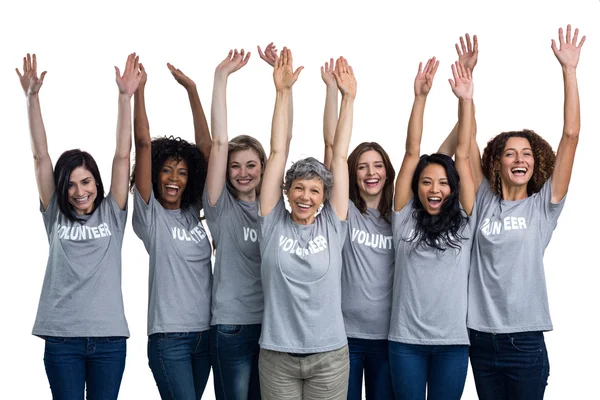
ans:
x=235 y=172
x=432 y=228
x=167 y=181
x=367 y=256
x=522 y=189
x=80 y=313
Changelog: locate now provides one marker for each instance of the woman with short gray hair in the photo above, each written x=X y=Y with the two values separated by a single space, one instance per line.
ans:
x=304 y=352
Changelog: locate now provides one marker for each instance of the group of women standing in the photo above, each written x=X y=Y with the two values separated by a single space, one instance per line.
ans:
x=348 y=278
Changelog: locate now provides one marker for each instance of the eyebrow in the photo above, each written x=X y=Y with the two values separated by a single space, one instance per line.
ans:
x=515 y=149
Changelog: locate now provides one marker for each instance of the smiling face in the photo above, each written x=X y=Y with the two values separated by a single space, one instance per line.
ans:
x=370 y=175
x=433 y=188
x=82 y=190
x=245 y=173
x=305 y=197
x=516 y=163
x=172 y=181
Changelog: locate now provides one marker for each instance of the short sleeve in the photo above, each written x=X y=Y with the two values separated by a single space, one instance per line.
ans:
x=340 y=227
x=267 y=223
x=119 y=216
x=50 y=214
x=399 y=221
x=543 y=202
x=224 y=203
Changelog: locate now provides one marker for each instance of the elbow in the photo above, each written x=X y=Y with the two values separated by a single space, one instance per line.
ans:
x=143 y=143
x=571 y=134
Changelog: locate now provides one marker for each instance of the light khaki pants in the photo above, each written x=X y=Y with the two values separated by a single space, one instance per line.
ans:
x=317 y=377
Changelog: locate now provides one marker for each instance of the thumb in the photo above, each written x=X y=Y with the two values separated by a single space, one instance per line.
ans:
x=297 y=73
x=42 y=76
x=117 y=72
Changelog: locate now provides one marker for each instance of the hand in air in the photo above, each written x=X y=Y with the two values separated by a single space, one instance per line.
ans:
x=568 y=52
x=424 y=78
x=130 y=80
x=344 y=77
x=233 y=62
x=30 y=81
x=143 y=76
x=180 y=77
x=283 y=71
x=327 y=73
x=467 y=54
x=462 y=84
x=269 y=55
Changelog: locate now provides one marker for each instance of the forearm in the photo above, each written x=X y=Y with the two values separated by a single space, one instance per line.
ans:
x=330 y=117
x=218 y=111
x=141 y=126
x=280 y=130
x=415 y=127
x=201 y=131
x=571 y=107
x=465 y=128
x=123 y=148
x=39 y=144
x=343 y=130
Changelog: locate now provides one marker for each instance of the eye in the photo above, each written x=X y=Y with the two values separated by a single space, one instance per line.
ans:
x=86 y=182
x=165 y=170
x=527 y=154
x=235 y=166
x=251 y=166
x=361 y=167
x=425 y=182
x=508 y=154
x=445 y=183
x=183 y=172
x=71 y=184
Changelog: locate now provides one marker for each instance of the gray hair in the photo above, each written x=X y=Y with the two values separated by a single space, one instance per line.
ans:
x=309 y=168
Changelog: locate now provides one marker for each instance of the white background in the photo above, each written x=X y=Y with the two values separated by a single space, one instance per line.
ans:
x=518 y=85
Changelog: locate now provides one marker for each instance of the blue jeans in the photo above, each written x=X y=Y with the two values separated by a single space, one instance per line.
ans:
x=372 y=356
x=180 y=363
x=441 y=369
x=234 y=356
x=509 y=365
x=74 y=363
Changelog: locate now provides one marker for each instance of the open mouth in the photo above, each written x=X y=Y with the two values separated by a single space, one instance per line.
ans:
x=304 y=207
x=172 y=190
x=371 y=182
x=243 y=181
x=519 y=171
x=81 y=200
x=434 y=201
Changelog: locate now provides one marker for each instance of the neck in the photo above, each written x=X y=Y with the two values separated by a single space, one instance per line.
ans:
x=513 y=193
x=371 y=201
x=249 y=197
x=303 y=221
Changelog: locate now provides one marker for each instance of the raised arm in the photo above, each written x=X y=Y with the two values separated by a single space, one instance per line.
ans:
x=141 y=138
x=330 y=114
x=346 y=83
x=269 y=56
x=217 y=163
x=462 y=87
x=568 y=56
x=468 y=53
x=128 y=84
x=201 y=132
x=284 y=77
x=423 y=83
x=44 y=173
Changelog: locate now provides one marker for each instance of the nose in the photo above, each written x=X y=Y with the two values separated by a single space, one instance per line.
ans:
x=435 y=187
x=370 y=170
x=79 y=190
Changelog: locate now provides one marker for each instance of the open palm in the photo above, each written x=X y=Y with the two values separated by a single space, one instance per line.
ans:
x=424 y=78
x=30 y=82
x=568 y=52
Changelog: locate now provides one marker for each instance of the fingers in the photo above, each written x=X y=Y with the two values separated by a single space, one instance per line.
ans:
x=560 y=37
x=245 y=59
x=118 y=72
x=568 y=33
x=475 y=44
x=458 y=50
x=582 y=42
x=41 y=80
x=469 y=44
x=171 y=68
x=34 y=58
x=260 y=53
x=554 y=48
x=462 y=45
x=297 y=73
x=454 y=73
x=420 y=69
x=21 y=76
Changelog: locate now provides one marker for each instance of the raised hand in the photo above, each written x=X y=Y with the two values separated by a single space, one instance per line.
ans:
x=180 y=77
x=143 y=76
x=462 y=84
x=424 y=78
x=29 y=79
x=467 y=55
x=568 y=53
x=327 y=73
x=234 y=61
x=344 y=77
x=283 y=71
x=269 y=55
x=130 y=80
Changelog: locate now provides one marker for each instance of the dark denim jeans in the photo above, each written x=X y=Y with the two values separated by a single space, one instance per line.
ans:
x=234 y=356
x=180 y=363
x=74 y=363
x=441 y=369
x=509 y=365
x=372 y=357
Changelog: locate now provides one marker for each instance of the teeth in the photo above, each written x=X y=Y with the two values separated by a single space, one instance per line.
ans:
x=302 y=205
x=434 y=198
x=173 y=187
x=372 y=181
x=524 y=170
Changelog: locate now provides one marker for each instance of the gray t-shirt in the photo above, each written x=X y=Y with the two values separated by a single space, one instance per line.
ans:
x=430 y=286
x=237 y=295
x=81 y=294
x=367 y=275
x=301 y=274
x=507 y=285
x=180 y=278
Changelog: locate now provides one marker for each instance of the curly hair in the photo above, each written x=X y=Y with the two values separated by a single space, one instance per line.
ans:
x=385 y=204
x=240 y=143
x=165 y=148
x=67 y=162
x=443 y=230
x=543 y=156
x=309 y=168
